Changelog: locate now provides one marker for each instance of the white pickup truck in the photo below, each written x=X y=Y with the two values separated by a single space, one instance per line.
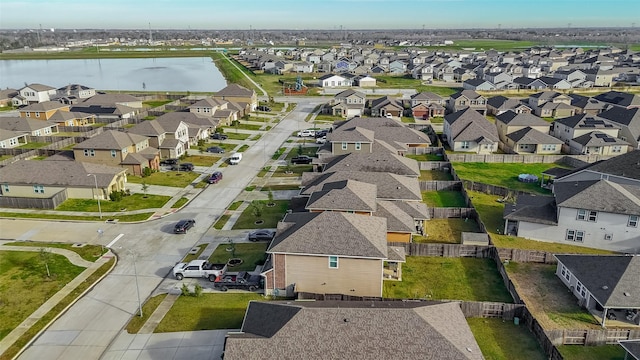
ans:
x=199 y=268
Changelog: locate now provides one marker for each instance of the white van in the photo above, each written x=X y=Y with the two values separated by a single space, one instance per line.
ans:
x=235 y=158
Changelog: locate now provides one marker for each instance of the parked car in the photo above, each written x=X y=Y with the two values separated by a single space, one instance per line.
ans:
x=321 y=140
x=235 y=158
x=169 y=162
x=215 y=177
x=183 y=226
x=199 y=268
x=215 y=150
x=183 y=167
x=302 y=159
x=219 y=136
x=307 y=133
x=321 y=133
x=241 y=281
x=262 y=235
x=263 y=108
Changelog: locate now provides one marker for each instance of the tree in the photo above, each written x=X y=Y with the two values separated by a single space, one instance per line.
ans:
x=270 y=196
x=145 y=188
x=256 y=209
x=45 y=255
x=299 y=150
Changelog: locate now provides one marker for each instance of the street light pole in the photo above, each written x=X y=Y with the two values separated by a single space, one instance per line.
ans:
x=95 y=179
x=135 y=271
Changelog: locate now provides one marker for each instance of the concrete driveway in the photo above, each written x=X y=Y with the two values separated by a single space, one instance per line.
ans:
x=93 y=327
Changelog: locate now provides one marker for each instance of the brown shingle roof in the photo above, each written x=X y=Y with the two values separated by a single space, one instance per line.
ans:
x=58 y=173
x=110 y=140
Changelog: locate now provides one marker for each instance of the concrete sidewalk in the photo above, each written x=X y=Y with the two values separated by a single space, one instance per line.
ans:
x=16 y=333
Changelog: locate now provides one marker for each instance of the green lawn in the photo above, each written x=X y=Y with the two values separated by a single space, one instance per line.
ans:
x=155 y=103
x=121 y=218
x=131 y=202
x=178 y=204
x=263 y=171
x=439 y=278
x=436 y=120
x=24 y=284
x=243 y=148
x=87 y=252
x=230 y=72
x=231 y=129
x=33 y=145
x=446 y=230
x=136 y=322
x=443 y=198
x=207 y=312
x=435 y=175
x=221 y=221
x=503 y=174
x=201 y=160
x=166 y=178
x=252 y=254
x=408 y=82
x=426 y=157
x=270 y=215
x=490 y=212
x=491 y=336
x=276 y=155
x=195 y=256
x=235 y=205
x=237 y=136
x=295 y=170
x=603 y=352
x=302 y=150
x=281 y=187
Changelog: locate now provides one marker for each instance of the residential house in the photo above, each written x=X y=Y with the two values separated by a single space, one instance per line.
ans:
x=599 y=143
x=109 y=100
x=551 y=104
x=51 y=182
x=33 y=94
x=6 y=95
x=327 y=253
x=524 y=82
x=629 y=122
x=631 y=348
x=618 y=98
x=478 y=84
x=526 y=134
x=588 y=105
x=377 y=161
x=348 y=103
x=107 y=113
x=467 y=130
x=30 y=127
x=311 y=330
x=392 y=187
x=602 y=77
x=571 y=127
x=303 y=67
x=497 y=105
x=386 y=106
x=332 y=80
x=238 y=94
x=168 y=133
x=216 y=108
x=498 y=77
x=467 y=99
x=605 y=285
x=116 y=148
x=12 y=139
x=365 y=81
x=555 y=83
x=427 y=98
x=594 y=206
x=43 y=110
x=74 y=93
x=73 y=118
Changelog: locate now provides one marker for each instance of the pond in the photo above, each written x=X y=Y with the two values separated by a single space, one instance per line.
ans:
x=196 y=74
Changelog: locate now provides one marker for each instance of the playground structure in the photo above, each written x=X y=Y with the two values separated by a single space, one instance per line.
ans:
x=297 y=88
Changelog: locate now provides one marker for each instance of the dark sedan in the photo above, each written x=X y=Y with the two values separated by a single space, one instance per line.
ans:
x=215 y=177
x=183 y=225
x=219 y=136
x=262 y=235
x=215 y=150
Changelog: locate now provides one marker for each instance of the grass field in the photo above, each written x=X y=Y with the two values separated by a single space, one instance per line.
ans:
x=443 y=198
x=87 y=252
x=447 y=231
x=490 y=212
x=178 y=204
x=490 y=336
x=439 y=278
x=131 y=202
x=252 y=254
x=302 y=150
x=221 y=221
x=26 y=286
x=407 y=82
x=166 y=178
x=230 y=72
x=155 y=103
x=270 y=215
x=295 y=170
x=603 y=352
x=207 y=312
x=426 y=157
x=201 y=160
x=121 y=218
x=503 y=174
x=435 y=175
x=148 y=308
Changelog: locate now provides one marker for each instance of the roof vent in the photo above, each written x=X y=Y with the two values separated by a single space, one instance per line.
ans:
x=345 y=320
x=605 y=287
x=627 y=294
x=469 y=349
x=398 y=188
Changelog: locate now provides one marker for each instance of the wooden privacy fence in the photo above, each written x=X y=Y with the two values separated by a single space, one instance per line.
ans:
x=439 y=185
x=448 y=213
x=34 y=203
x=523 y=159
x=434 y=165
x=426 y=150
x=444 y=250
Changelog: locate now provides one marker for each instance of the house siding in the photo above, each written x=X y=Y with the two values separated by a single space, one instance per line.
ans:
x=398 y=237
x=336 y=148
x=309 y=273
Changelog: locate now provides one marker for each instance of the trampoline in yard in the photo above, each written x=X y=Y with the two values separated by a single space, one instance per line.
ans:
x=527 y=178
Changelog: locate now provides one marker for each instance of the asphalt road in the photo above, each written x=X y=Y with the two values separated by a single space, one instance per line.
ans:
x=149 y=249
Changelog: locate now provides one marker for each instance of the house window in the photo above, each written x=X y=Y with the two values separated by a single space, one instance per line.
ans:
x=565 y=273
x=113 y=153
x=124 y=151
x=580 y=289
x=608 y=237
x=358 y=146
x=344 y=146
x=333 y=262
x=616 y=149
x=13 y=142
x=37 y=114
x=5 y=188
x=28 y=114
x=575 y=235
x=587 y=215
x=89 y=152
x=633 y=221
x=464 y=145
x=38 y=189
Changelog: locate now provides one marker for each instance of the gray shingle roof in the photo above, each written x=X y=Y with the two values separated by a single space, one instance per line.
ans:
x=235 y=90
x=58 y=173
x=390 y=186
x=532 y=136
x=598 y=138
x=599 y=195
x=470 y=125
x=382 y=161
x=62 y=116
x=355 y=134
x=24 y=124
x=43 y=106
x=586 y=121
x=347 y=195
x=40 y=87
x=530 y=208
x=511 y=118
x=332 y=233
x=111 y=140
x=8 y=134
x=627 y=117
x=632 y=347
x=626 y=165
x=611 y=279
x=110 y=99
x=397 y=219
x=353 y=330
x=619 y=98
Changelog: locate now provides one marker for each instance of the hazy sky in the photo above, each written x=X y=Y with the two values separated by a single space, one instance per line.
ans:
x=316 y=14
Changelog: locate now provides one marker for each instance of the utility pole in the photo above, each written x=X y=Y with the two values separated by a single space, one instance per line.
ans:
x=150 y=35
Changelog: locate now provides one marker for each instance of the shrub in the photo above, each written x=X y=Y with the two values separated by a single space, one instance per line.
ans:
x=116 y=196
x=197 y=291
x=185 y=290
x=147 y=172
